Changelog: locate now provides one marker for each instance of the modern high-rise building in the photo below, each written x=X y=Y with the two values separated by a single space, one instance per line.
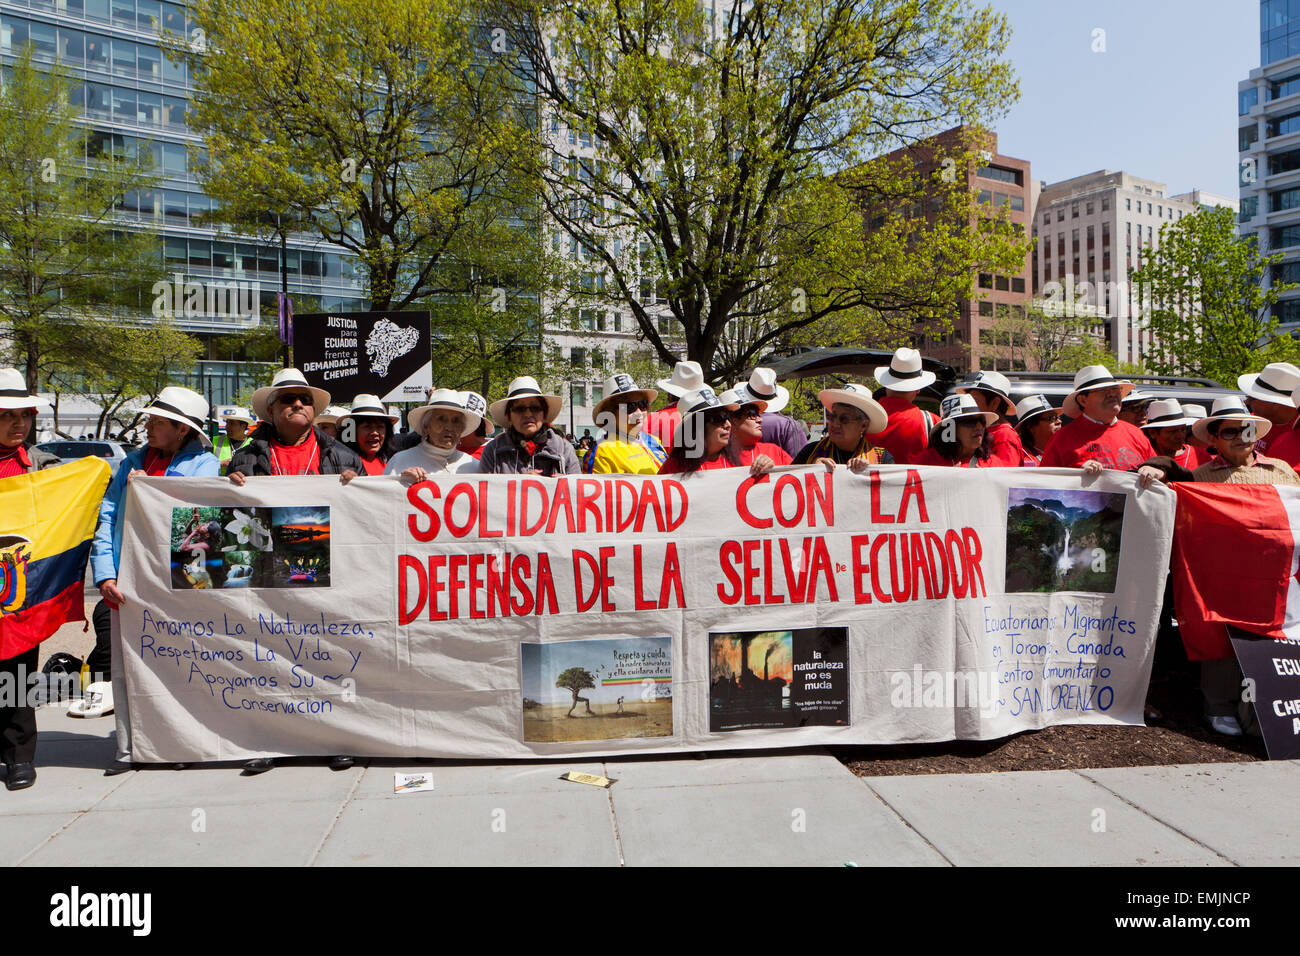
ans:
x=1090 y=232
x=133 y=99
x=1268 y=137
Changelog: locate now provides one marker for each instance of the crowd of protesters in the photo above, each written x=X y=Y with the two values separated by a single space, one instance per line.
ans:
x=294 y=430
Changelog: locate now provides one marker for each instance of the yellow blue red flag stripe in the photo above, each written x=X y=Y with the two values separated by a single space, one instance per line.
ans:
x=47 y=521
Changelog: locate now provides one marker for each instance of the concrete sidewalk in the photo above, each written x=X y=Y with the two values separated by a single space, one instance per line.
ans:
x=801 y=808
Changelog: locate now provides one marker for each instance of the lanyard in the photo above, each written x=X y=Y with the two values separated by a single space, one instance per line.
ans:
x=311 y=468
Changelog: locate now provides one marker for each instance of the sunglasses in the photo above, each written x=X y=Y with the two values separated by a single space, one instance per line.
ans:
x=844 y=420
x=748 y=411
x=1228 y=434
x=639 y=405
x=714 y=419
x=303 y=398
x=528 y=409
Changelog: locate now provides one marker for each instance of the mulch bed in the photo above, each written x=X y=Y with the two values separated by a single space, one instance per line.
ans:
x=1180 y=737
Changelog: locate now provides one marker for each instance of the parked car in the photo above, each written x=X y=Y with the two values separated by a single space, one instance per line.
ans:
x=110 y=451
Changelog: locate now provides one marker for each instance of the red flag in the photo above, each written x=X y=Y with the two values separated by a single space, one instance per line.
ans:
x=1234 y=562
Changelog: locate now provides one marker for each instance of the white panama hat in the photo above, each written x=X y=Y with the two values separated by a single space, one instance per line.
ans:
x=859 y=397
x=1277 y=383
x=184 y=406
x=287 y=378
x=960 y=405
x=1167 y=413
x=994 y=382
x=1032 y=406
x=686 y=377
x=620 y=386
x=14 y=394
x=904 y=372
x=1229 y=409
x=369 y=406
x=469 y=404
x=525 y=386
x=1087 y=379
x=762 y=387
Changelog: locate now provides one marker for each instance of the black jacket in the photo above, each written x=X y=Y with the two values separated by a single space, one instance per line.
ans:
x=255 y=457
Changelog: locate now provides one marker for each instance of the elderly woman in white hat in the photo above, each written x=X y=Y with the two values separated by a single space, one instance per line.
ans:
x=1096 y=438
x=853 y=419
x=367 y=429
x=627 y=450
x=449 y=417
x=1036 y=422
x=992 y=393
x=177 y=446
x=18 y=411
x=749 y=427
x=287 y=442
x=908 y=430
x=529 y=445
x=957 y=441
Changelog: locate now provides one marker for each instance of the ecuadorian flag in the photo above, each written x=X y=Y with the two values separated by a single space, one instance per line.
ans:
x=47 y=521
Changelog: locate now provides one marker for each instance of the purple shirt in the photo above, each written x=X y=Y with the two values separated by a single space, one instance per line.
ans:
x=784 y=431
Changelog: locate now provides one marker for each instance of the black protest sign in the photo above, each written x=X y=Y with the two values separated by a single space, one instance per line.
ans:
x=1273 y=669
x=374 y=353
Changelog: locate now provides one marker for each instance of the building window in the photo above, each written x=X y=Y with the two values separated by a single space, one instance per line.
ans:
x=986 y=280
x=1247 y=136
x=1074 y=211
x=1105 y=203
x=1017 y=284
x=1128 y=203
x=1281 y=125
x=1017 y=203
x=1060 y=215
x=1047 y=218
x=999 y=173
x=1000 y=283
x=1089 y=209
x=1249 y=208
x=986 y=308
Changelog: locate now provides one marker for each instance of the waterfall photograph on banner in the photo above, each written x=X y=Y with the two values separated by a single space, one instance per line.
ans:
x=598 y=689
x=1063 y=540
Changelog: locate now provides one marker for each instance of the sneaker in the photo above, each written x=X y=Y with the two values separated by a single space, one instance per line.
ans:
x=1227 y=726
x=97 y=701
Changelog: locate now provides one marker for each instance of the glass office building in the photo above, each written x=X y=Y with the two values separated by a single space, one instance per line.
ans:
x=133 y=99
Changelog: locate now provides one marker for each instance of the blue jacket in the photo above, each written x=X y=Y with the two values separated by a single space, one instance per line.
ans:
x=192 y=461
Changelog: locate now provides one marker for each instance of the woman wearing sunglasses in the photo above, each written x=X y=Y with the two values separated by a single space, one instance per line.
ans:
x=852 y=417
x=622 y=413
x=702 y=439
x=747 y=427
x=529 y=445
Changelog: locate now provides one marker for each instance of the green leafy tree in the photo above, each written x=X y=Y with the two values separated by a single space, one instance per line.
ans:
x=362 y=121
x=573 y=680
x=730 y=162
x=70 y=273
x=1204 y=301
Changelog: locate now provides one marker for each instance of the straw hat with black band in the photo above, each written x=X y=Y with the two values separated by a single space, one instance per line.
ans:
x=1167 y=413
x=958 y=406
x=1276 y=383
x=330 y=415
x=697 y=402
x=1088 y=379
x=620 y=388
x=287 y=378
x=762 y=387
x=1031 y=407
x=14 y=394
x=525 y=386
x=452 y=400
x=182 y=405
x=995 y=384
x=369 y=406
x=904 y=372
x=1229 y=409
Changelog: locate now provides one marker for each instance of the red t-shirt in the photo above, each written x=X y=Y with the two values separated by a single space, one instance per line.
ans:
x=660 y=424
x=1119 y=445
x=373 y=466
x=931 y=456
x=673 y=466
x=1285 y=446
x=301 y=459
x=14 y=463
x=1005 y=449
x=155 y=465
x=908 y=431
x=1192 y=457
x=778 y=454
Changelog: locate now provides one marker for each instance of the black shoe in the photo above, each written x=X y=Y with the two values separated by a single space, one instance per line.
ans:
x=260 y=765
x=21 y=776
x=342 y=762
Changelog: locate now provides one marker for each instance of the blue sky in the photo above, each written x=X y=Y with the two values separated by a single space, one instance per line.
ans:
x=1160 y=102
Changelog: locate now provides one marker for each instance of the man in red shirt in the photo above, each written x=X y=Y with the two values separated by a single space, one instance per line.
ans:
x=1269 y=395
x=992 y=393
x=1097 y=439
x=908 y=433
x=1166 y=429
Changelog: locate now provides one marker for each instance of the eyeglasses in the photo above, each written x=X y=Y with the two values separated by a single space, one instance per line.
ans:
x=304 y=398
x=637 y=405
x=748 y=411
x=844 y=420
x=1228 y=434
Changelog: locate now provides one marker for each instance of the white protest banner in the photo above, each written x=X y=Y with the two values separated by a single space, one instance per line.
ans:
x=513 y=616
